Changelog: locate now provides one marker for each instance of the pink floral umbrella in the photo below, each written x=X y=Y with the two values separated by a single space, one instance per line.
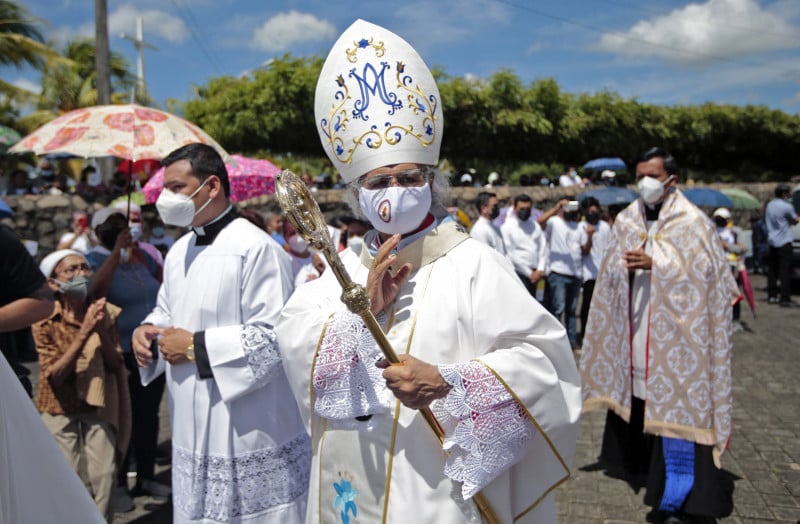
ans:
x=126 y=131
x=249 y=178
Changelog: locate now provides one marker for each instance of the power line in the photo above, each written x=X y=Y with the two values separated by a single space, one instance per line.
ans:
x=187 y=17
x=641 y=40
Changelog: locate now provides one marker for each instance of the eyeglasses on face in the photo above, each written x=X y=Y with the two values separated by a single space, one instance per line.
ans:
x=71 y=270
x=409 y=178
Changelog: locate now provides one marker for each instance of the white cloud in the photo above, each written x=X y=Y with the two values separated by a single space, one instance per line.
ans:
x=27 y=85
x=284 y=30
x=166 y=25
x=698 y=34
x=123 y=20
x=429 y=23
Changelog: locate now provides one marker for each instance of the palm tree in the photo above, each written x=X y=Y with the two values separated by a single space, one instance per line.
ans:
x=20 y=43
x=73 y=85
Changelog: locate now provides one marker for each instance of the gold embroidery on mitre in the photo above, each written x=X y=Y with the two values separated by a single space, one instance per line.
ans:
x=421 y=104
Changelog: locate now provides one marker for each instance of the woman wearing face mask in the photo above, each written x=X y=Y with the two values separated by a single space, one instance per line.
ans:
x=130 y=278
x=82 y=393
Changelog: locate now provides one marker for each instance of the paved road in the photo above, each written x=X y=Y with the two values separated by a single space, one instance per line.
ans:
x=764 y=453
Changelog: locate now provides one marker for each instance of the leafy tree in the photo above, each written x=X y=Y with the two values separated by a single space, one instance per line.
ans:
x=273 y=109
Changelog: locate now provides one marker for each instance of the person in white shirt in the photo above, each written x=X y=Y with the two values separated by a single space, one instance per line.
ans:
x=483 y=230
x=526 y=245
x=570 y=178
x=80 y=238
x=564 y=262
x=593 y=247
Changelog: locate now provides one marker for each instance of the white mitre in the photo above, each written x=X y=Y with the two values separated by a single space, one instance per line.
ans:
x=376 y=103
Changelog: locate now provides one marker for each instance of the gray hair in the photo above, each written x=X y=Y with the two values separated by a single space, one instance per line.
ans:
x=440 y=189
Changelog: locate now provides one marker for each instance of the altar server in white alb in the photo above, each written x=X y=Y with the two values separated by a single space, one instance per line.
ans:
x=495 y=367
x=239 y=449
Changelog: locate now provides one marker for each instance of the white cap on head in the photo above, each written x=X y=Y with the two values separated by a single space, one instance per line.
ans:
x=123 y=207
x=494 y=176
x=723 y=212
x=101 y=215
x=49 y=263
x=466 y=177
x=608 y=174
x=376 y=103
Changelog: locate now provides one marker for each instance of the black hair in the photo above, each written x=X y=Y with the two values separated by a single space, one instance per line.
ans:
x=483 y=199
x=522 y=198
x=670 y=164
x=782 y=189
x=588 y=202
x=205 y=162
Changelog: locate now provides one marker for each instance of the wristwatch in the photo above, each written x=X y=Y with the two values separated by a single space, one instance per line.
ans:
x=190 y=351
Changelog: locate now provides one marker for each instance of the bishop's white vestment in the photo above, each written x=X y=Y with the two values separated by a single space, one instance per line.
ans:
x=510 y=420
x=240 y=452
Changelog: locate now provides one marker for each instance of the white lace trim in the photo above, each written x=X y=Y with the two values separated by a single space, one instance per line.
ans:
x=260 y=347
x=221 y=488
x=346 y=382
x=486 y=431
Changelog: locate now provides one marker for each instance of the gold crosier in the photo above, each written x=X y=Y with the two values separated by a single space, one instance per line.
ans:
x=305 y=215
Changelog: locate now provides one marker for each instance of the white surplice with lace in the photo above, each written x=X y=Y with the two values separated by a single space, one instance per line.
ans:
x=240 y=451
x=510 y=419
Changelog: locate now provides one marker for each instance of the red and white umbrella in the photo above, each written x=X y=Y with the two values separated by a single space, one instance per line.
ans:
x=248 y=177
x=127 y=131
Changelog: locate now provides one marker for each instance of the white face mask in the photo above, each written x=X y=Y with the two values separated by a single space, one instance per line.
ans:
x=395 y=209
x=355 y=243
x=297 y=244
x=651 y=189
x=136 y=231
x=177 y=209
x=94 y=179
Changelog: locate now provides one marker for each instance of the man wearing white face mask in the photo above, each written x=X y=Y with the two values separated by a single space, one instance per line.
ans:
x=239 y=451
x=657 y=349
x=490 y=362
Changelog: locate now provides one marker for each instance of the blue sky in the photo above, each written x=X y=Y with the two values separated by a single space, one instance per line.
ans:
x=660 y=51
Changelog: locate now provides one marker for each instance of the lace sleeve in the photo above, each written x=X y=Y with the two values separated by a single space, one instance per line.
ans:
x=486 y=431
x=346 y=382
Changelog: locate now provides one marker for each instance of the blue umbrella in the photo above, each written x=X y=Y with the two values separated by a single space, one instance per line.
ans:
x=707 y=197
x=599 y=164
x=5 y=211
x=611 y=195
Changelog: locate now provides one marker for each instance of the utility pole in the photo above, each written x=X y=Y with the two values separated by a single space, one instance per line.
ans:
x=140 y=45
x=102 y=53
x=103 y=72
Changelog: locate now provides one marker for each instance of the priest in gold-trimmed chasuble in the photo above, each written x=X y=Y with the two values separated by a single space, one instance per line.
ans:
x=657 y=351
x=495 y=368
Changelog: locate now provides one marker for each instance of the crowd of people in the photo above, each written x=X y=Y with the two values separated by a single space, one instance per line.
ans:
x=285 y=408
x=46 y=179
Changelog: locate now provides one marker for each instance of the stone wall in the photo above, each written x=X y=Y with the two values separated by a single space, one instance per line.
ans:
x=45 y=218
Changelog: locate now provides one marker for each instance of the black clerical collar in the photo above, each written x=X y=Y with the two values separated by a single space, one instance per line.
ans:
x=651 y=213
x=206 y=234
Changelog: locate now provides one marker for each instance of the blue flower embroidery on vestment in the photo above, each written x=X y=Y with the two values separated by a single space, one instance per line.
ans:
x=363 y=43
x=429 y=130
x=345 y=499
x=339 y=149
x=340 y=80
x=401 y=67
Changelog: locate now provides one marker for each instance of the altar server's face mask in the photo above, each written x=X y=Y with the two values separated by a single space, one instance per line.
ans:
x=178 y=209
x=397 y=202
